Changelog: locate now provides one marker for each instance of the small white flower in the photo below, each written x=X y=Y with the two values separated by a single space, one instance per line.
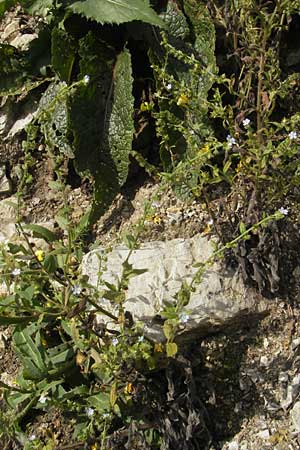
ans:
x=43 y=399
x=192 y=132
x=86 y=79
x=230 y=140
x=16 y=272
x=115 y=342
x=32 y=437
x=76 y=290
x=283 y=211
x=293 y=135
x=246 y=122
x=183 y=318
x=89 y=412
x=169 y=86
x=155 y=204
x=140 y=338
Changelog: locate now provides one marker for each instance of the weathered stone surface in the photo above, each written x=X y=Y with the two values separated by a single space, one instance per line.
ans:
x=219 y=300
x=8 y=217
x=295 y=416
x=5 y=183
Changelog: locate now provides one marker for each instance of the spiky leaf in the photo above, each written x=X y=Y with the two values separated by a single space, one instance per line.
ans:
x=117 y=11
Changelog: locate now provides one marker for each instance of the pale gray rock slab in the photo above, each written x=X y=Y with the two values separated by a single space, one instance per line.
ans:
x=5 y=183
x=8 y=218
x=22 y=41
x=291 y=393
x=295 y=416
x=221 y=299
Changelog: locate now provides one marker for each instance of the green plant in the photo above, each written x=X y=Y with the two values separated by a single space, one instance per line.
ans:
x=68 y=358
x=94 y=122
x=238 y=127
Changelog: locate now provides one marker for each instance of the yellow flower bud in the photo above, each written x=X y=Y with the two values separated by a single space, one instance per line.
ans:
x=158 y=347
x=157 y=220
x=40 y=254
x=182 y=100
x=145 y=106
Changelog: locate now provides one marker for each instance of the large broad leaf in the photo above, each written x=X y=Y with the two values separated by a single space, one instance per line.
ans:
x=120 y=121
x=117 y=11
x=100 y=119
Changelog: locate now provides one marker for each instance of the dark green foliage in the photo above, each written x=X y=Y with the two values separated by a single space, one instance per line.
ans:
x=189 y=61
x=93 y=121
x=63 y=53
x=54 y=124
x=23 y=70
x=110 y=11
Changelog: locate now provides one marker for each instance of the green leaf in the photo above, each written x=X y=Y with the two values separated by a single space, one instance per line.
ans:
x=129 y=271
x=130 y=241
x=101 y=120
x=117 y=11
x=191 y=34
x=171 y=349
x=168 y=330
x=63 y=53
x=100 y=401
x=50 y=263
x=54 y=120
x=38 y=7
x=17 y=398
x=17 y=248
x=31 y=354
x=113 y=394
x=42 y=233
x=27 y=293
x=60 y=354
x=121 y=124
x=13 y=320
x=242 y=228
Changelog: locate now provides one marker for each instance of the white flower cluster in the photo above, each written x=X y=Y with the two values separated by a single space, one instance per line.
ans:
x=86 y=79
x=283 y=211
x=246 y=122
x=230 y=140
x=293 y=135
x=76 y=290
x=16 y=272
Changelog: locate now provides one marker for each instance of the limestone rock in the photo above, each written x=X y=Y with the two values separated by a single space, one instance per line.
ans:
x=5 y=183
x=8 y=218
x=220 y=300
x=295 y=416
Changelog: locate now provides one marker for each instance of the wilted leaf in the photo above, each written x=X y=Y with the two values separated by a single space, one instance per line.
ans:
x=113 y=394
